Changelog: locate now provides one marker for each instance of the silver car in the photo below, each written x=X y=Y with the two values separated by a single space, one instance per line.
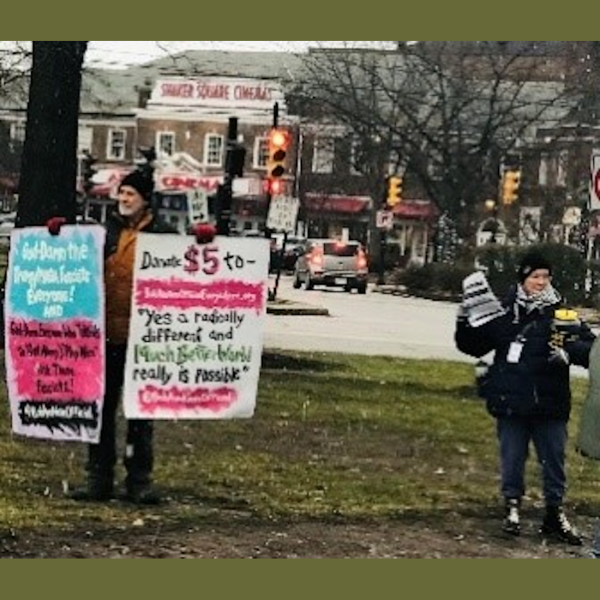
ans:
x=332 y=262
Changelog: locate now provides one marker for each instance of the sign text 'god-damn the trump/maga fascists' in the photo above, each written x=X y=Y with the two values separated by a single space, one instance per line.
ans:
x=54 y=330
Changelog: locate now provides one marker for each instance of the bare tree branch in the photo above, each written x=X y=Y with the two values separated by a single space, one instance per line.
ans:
x=450 y=114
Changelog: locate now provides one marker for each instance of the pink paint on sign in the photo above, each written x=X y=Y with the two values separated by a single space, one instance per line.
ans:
x=181 y=294
x=56 y=361
x=177 y=400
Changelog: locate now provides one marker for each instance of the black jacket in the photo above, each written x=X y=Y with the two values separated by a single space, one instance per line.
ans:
x=535 y=385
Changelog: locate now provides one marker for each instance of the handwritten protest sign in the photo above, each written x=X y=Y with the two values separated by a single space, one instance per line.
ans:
x=54 y=330
x=196 y=329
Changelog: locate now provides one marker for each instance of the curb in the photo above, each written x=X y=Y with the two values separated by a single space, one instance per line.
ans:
x=286 y=308
x=394 y=290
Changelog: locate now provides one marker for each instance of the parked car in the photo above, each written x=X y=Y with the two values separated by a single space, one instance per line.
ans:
x=293 y=250
x=294 y=247
x=333 y=263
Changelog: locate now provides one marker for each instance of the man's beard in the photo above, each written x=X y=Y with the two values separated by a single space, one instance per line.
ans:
x=126 y=211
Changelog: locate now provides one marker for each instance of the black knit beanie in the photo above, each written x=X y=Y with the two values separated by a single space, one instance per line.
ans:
x=140 y=182
x=530 y=263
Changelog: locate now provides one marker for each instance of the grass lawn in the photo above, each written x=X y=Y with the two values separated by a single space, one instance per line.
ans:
x=334 y=436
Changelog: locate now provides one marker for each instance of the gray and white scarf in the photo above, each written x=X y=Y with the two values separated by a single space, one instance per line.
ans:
x=549 y=296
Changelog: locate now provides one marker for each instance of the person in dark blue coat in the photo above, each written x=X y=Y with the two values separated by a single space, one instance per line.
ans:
x=527 y=388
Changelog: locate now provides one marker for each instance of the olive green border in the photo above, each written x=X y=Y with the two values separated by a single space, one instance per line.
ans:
x=430 y=20
x=407 y=579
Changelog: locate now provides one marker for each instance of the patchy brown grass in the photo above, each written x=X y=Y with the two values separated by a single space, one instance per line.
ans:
x=345 y=456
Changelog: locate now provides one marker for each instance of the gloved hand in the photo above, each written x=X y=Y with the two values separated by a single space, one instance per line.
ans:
x=559 y=356
x=557 y=339
x=203 y=232
x=565 y=329
x=54 y=224
x=479 y=302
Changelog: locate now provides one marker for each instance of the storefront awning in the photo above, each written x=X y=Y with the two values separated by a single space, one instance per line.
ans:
x=416 y=209
x=106 y=182
x=336 y=203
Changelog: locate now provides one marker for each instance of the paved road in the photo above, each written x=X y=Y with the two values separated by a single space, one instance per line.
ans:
x=373 y=324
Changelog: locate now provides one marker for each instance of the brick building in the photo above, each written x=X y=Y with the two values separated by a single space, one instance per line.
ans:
x=181 y=105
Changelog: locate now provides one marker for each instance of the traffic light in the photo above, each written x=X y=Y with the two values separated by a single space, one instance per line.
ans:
x=511 y=180
x=279 y=140
x=234 y=162
x=394 y=195
x=148 y=163
x=87 y=171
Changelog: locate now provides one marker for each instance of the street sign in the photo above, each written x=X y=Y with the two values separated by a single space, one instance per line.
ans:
x=595 y=181
x=384 y=219
x=283 y=212
x=197 y=206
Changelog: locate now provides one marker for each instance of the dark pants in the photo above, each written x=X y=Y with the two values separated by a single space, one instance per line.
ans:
x=549 y=438
x=139 y=457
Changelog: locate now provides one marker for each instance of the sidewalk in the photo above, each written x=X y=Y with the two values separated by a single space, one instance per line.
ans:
x=281 y=306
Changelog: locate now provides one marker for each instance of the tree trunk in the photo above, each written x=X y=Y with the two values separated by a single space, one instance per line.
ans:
x=49 y=167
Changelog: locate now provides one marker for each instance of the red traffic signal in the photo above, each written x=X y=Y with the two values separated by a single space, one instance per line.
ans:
x=279 y=140
x=275 y=187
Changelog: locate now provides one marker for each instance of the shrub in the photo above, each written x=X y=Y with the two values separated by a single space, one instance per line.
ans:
x=569 y=270
x=434 y=280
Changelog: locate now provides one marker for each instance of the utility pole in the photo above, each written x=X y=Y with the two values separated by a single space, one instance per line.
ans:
x=272 y=293
x=268 y=232
x=234 y=166
x=382 y=251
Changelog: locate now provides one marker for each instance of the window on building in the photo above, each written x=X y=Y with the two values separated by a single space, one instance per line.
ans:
x=562 y=164
x=85 y=137
x=116 y=144
x=323 y=155
x=213 y=150
x=543 y=170
x=17 y=132
x=261 y=152
x=165 y=143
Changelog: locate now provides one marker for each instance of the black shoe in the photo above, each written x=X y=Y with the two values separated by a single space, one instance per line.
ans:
x=557 y=525
x=93 y=492
x=512 y=521
x=142 y=494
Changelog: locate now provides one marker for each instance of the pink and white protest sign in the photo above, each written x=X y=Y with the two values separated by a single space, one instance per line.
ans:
x=196 y=333
x=54 y=331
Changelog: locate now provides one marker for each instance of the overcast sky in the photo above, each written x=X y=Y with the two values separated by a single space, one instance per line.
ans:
x=122 y=54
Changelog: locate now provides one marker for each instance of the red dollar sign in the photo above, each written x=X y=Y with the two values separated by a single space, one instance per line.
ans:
x=191 y=256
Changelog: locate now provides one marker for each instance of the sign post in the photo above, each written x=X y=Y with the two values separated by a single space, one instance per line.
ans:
x=197 y=206
x=283 y=212
x=385 y=219
x=282 y=216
